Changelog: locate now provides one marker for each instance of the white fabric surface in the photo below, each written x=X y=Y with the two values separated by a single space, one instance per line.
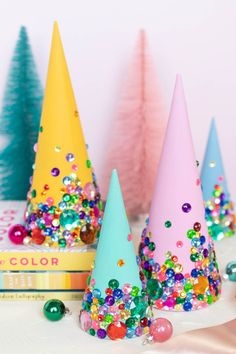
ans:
x=24 y=330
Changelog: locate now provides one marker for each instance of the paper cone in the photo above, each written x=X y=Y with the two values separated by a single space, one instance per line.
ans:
x=219 y=208
x=114 y=304
x=175 y=247
x=63 y=203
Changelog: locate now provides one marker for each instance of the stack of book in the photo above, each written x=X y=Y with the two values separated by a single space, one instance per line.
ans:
x=35 y=272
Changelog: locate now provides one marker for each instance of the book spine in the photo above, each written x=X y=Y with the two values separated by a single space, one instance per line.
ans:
x=40 y=295
x=43 y=280
x=35 y=261
x=14 y=258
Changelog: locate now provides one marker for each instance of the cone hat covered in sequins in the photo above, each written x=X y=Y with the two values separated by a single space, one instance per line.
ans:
x=63 y=205
x=115 y=306
x=175 y=246
x=219 y=208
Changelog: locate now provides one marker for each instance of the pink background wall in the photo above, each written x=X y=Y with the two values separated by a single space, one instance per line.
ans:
x=195 y=38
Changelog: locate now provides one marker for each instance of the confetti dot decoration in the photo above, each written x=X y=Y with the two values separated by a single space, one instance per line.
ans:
x=212 y=164
x=70 y=157
x=57 y=148
x=186 y=207
x=197 y=226
x=121 y=263
x=33 y=193
x=74 y=167
x=198 y=182
x=88 y=163
x=179 y=244
x=130 y=237
x=49 y=201
x=168 y=224
x=113 y=284
x=55 y=172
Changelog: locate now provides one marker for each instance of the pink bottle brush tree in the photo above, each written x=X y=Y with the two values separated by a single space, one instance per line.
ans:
x=137 y=135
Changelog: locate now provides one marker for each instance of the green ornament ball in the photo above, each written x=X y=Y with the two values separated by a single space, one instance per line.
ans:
x=231 y=271
x=54 y=310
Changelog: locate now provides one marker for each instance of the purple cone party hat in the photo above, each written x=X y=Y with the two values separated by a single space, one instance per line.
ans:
x=219 y=208
x=115 y=306
x=63 y=204
x=175 y=246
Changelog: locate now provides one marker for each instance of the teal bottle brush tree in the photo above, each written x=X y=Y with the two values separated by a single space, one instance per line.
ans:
x=19 y=121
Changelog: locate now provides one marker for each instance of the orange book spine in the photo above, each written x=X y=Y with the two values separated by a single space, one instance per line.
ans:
x=43 y=280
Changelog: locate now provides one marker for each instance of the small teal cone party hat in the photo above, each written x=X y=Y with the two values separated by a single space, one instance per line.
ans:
x=219 y=209
x=114 y=304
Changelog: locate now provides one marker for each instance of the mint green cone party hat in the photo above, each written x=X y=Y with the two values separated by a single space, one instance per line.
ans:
x=114 y=245
x=114 y=304
x=219 y=209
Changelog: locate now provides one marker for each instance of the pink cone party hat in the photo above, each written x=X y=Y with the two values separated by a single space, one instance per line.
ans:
x=115 y=306
x=175 y=247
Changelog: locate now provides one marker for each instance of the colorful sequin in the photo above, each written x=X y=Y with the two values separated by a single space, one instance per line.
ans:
x=219 y=213
x=122 y=312
x=76 y=219
x=177 y=290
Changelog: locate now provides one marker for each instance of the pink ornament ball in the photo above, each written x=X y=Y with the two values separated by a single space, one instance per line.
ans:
x=161 y=330
x=17 y=233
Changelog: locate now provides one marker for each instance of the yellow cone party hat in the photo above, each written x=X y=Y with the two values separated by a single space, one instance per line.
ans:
x=64 y=206
x=61 y=146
